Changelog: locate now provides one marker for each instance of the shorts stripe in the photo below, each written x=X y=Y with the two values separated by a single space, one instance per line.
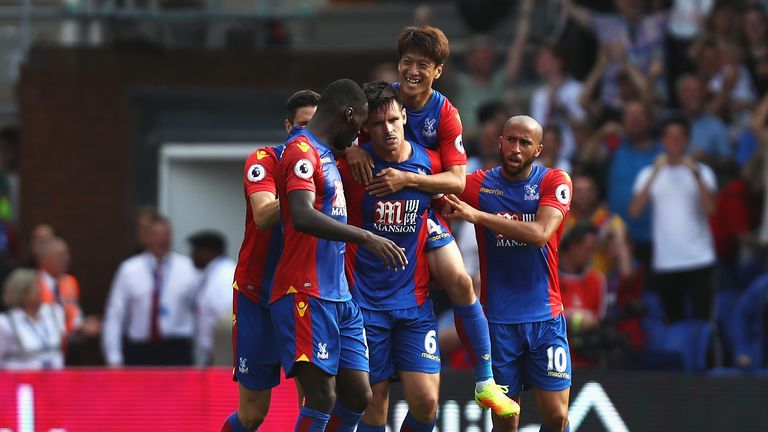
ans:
x=303 y=327
x=234 y=332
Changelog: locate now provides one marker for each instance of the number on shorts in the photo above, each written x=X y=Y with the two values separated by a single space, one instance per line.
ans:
x=430 y=342
x=557 y=357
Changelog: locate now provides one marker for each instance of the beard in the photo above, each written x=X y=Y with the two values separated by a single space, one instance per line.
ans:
x=512 y=172
x=342 y=142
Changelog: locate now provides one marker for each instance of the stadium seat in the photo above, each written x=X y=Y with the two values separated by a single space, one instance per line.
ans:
x=691 y=340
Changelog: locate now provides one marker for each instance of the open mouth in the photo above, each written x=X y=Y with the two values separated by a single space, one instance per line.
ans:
x=412 y=81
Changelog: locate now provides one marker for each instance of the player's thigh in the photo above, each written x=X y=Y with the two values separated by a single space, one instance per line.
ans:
x=548 y=363
x=256 y=351
x=254 y=404
x=422 y=392
x=378 y=336
x=553 y=405
x=415 y=346
x=307 y=332
x=508 y=354
x=446 y=266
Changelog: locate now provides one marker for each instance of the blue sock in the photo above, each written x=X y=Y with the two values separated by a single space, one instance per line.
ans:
x=410 y=424
x=311 y=421
x=546 y=429
x=472 y=327
x=343 y=419
x=365 y=427
x=234 y=423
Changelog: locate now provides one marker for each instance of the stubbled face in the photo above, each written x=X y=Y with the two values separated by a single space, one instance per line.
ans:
x=302 y=117
x=518 y=147
x=385 y=127
x=351 y=128
x=417 y=73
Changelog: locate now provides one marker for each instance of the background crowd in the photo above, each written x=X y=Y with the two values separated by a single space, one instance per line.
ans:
x=658 y=111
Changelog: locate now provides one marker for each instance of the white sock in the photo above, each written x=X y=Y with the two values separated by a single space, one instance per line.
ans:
x=480 y=384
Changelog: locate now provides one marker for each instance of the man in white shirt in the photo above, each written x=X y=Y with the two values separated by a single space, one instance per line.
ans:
x=681 y=192
x=213 y=299
x=149 y=319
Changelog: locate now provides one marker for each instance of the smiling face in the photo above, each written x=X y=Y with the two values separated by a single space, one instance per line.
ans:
x=417 y=72
x=519 y=145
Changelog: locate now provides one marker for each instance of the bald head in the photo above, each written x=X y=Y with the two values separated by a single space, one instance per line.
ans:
x=527 y=122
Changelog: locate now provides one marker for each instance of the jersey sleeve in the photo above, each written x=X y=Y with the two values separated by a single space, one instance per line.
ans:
x=471 y=193
x=299 y=166
x=449 y=140
x=259 y=172
x=556 y=190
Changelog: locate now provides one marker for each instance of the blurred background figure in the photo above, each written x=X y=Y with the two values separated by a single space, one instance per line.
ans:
x=149 y=318
x=31 y=332
x=213 y=298
x=57 y=286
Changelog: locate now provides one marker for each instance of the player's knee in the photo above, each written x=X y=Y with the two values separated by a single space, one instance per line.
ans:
x=363 y=398
x=320 y=398
x=252 y=417
x=556 y=420
x=459 y=289
x=424 y=406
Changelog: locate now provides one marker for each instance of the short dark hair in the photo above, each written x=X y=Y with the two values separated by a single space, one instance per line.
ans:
x=300 y=99
x=678 y=120
x=489 y=110
x=426 y=40
x=341 y=94
x=381 y=94
x=577 y=234
x=210 y=240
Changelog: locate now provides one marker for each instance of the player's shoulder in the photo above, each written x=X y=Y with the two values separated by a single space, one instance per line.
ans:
x=261 y=155
x=297 y=145
x=553 y=175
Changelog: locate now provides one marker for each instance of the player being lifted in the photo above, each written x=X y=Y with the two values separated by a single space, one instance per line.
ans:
x=434 y=123
x=318 y=326
x=400 y=325
x=257 y=364
x=518 y=210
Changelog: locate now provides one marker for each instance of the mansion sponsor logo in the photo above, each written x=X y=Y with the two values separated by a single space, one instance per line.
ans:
x=396 y=216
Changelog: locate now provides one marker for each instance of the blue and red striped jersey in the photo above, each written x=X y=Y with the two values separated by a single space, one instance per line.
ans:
x=260 y=250
x=400 y=217
x=437 y=127
x=309 y=264
x=519 y=281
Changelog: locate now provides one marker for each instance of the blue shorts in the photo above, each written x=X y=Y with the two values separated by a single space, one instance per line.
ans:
x=402 y=340
x=531 y=354
x=325 y=333
x=438 y=234
x=257 y=363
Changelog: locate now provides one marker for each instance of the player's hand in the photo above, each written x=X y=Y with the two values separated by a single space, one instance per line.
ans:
x=387 y=181
x=360 y=164
x=389 y=252
x=461 y=210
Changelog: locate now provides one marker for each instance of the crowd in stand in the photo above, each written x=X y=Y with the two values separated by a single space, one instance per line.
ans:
x=665 y=139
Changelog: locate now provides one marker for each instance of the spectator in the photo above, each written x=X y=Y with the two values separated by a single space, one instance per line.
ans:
x=755 y=30
x=749 y=325
x=551 y=155
x=40 y=234
x=583 y=291
x=556 y=102
x=631 y=30
x=686 y=22
x=59 y=287
x=149 y=318
x=31 y=332
x=482 y=80
x=214 y=293
x=491 y=116
x=681 y=193
x=612 y=254
x=636 y=150
x=758 y=126
x=710 y=141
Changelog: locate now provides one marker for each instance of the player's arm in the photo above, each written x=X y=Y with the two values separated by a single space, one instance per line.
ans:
x=577 y=13
x=308 y=220
x=391 y=180
x=265 y=208
x=114 y=316
x=643 y=186
x=538 y=232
